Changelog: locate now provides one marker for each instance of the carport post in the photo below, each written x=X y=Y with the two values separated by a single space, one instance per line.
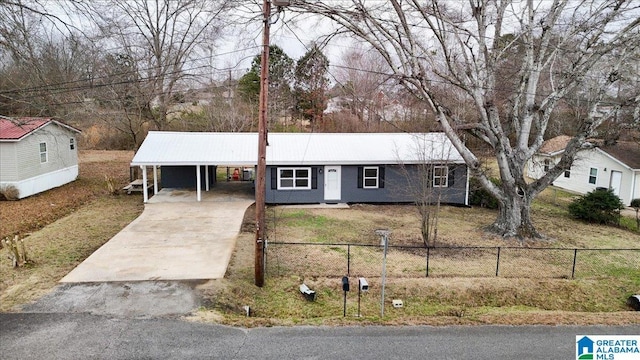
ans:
x=206 y=177
x=155 y=180
x=145 y=195
x=198 y=183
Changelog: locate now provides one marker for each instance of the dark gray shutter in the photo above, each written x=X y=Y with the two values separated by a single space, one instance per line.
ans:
x=381 y=176
x=360 y=177
x=429 y=175
x=274 y=178
x=451 y=176
x=314 y=177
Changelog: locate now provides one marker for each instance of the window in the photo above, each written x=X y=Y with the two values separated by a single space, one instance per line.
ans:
x=72 y=144
x=370 y=177
x=567 y=173
x=593 y=175
x=43 y=153
x=440 y=176
x=294 y=178
x=546 y=165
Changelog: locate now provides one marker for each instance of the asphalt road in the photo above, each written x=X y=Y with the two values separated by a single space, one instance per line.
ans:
x=85 y=336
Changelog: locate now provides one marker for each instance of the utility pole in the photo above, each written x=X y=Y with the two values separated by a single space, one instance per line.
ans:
x=262 y=148
x=262 y=141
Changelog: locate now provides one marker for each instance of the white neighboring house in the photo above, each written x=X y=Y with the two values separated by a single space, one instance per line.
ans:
x=615 y=166
x=37 y=154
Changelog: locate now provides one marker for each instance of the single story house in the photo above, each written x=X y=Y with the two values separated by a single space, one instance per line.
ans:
x=37 y=154
x=314 y=167
x=614 y=166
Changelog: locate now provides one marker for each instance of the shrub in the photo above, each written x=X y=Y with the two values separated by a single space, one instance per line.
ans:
x=600 y=206
x=9 y=192
x=17 y=251
x=478 y=196
x=635 y=203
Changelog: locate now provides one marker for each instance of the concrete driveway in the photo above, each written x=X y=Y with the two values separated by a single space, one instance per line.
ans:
x=175 y=238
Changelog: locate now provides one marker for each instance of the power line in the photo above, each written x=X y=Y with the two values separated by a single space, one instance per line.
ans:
x=57 y=86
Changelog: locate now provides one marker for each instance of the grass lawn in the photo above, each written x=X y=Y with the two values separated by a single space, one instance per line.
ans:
x=527 y=299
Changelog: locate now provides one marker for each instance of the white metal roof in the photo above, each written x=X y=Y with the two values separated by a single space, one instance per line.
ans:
x=200 y=148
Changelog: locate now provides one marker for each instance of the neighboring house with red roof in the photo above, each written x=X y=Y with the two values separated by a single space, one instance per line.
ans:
x=37 y=154
x=614 y=166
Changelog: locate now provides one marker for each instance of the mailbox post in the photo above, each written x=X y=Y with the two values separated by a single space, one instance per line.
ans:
x=345 y=289
x=363 y=285
x=384 y=238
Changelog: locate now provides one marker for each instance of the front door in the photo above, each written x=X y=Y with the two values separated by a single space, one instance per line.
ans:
x=332 y=183
x=616 y=181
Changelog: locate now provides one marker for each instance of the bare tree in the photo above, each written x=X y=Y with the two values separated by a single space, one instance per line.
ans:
x=161 y=37
x=426 y=181
x=361 y=77
x=229 y=113
x=462 y=46
x=44 y=69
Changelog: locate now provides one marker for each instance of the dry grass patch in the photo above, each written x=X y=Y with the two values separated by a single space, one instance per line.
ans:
x=33 y=213
x=61 y=246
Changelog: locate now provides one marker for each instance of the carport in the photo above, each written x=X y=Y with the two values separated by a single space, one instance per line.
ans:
x=194 y=151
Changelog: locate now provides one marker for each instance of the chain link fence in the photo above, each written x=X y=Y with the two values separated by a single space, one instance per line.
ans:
x=335 y=260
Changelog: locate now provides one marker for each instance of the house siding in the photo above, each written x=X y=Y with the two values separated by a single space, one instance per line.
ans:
x=580 y=171
x=20 y=164
x=8 y=163
x=307 y=196
x=395 y=190
x=60 y=156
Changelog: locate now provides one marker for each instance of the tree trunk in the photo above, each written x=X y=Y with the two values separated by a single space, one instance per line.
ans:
x=514 y=219
x=424 y=225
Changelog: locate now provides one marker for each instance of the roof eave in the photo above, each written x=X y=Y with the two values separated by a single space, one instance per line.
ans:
x=287 y=163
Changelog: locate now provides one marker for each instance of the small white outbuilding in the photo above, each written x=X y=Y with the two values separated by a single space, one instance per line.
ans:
x=37 y=154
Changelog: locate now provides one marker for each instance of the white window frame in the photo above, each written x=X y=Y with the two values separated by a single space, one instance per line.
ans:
x=595 y=177
x=444 y=176
x=365 y=177
x=294 y=178
x=45 y=152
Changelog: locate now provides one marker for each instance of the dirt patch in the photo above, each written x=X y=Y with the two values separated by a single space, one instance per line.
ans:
x=249 y=220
